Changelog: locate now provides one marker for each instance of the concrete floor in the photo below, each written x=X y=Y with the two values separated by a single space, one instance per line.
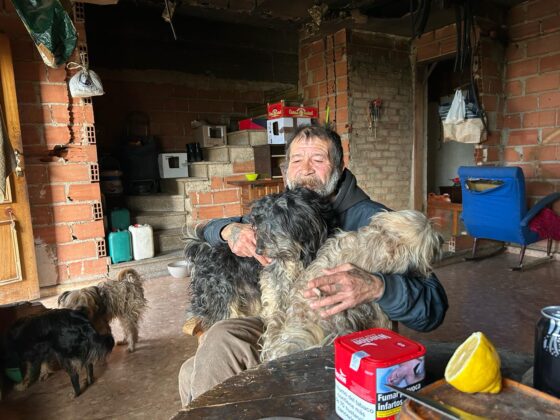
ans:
x=483 y=296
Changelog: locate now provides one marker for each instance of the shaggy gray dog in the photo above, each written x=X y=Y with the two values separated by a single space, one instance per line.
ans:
x=394 y=242
x=122 y=299
x=224 y=285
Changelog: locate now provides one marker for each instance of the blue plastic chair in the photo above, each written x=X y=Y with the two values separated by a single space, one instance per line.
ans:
x=494 y=207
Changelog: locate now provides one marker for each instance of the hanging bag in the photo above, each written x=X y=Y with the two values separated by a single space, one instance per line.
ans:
x=85 y=83
x=457 y=128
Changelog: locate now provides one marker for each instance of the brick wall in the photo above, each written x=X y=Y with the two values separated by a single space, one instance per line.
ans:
x=171 y=100
x=379 y=67
x=62 y=187
x=323 y=79
x=532 y=107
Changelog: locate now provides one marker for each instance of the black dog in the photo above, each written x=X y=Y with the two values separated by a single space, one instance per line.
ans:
x=224 y=285
x=62 y=336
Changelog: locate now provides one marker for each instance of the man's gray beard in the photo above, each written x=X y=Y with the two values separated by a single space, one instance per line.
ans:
x=324 y=190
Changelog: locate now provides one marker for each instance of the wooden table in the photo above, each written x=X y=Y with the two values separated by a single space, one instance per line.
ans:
x=253 y=190
x=302 y=385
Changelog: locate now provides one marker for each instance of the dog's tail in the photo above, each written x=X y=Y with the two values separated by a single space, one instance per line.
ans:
x=130 y=275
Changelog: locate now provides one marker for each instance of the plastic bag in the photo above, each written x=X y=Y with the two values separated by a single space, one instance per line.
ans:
x=456 y=113
x=85 y=83
x=468 y=131
x=50 y=28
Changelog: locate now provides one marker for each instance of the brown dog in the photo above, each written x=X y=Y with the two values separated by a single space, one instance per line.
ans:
x=122 y=299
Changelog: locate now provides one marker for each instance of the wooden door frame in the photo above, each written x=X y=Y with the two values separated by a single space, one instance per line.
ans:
x=420 y=73
x=28 y=287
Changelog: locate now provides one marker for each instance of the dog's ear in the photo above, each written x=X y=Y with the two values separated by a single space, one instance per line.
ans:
x=63 y=297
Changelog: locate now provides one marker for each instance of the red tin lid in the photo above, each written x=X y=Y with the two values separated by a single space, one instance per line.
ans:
x=383 y=347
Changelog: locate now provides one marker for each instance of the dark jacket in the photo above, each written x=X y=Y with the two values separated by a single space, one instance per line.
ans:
x=419 y=303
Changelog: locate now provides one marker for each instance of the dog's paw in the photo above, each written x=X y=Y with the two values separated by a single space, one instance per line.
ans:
x=131 y=348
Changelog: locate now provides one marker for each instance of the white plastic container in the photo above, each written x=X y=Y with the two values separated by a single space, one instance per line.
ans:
x=142 y=241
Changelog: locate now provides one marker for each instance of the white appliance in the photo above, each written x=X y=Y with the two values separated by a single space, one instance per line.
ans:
x=280 y=129
x=173 y=165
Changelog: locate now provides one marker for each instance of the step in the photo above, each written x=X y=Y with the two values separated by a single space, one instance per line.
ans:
x=161 y=219
x=247 y=138
x=156 y=202
x=181 y=186
x=240 y=153
x=169 y=240
x=150 y=267
x=210 y=169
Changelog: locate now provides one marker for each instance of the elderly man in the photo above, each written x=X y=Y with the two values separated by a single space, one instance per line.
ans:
x=314 y=160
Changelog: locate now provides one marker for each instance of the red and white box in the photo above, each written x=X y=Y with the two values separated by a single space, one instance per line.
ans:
x=279 y=130
x=281 y=110
x=368 y=360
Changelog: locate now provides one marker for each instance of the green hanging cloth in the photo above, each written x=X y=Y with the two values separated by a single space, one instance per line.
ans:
x=50 y=28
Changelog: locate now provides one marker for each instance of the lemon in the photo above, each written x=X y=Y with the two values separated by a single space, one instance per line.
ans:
x=475 y=366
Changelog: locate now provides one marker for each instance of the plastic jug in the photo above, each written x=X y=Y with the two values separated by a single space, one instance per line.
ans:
x=142 y=241
x=119 y=246
x=120 y=219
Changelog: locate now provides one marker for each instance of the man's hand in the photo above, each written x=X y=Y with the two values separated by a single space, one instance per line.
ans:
x=343 y=287
x=241 y=240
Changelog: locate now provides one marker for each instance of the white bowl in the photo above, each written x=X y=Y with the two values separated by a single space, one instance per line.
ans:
x=179 y=269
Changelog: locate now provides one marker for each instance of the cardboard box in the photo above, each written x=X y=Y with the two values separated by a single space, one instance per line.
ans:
x=281 y=129
x=210 y=135
x=279 y=110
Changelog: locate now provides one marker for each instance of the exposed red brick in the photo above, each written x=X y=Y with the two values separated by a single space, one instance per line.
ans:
x=524 y=30
x=549 y=100
x=55 y=135
x=226 y=196
x=72 y=213
x=550 y=24
x=84 y=192
x=66 y=173
x=543 y=45
x=76 y=251
x=204 y=198
x=31 y=134
x=512 y=154
x=88 y=230
x=512 y=121
x=517 y=14
x=233 y=210
x=522 y=68
x=428 y=51
x=341 y=68
x=550 y=170
x=541 y=8
x=96 y=266
x=31 y=71
x=46 y=193
x=216 y=183
x=340 y=37
x=81 y=154
x=316 y=61
x=210 y=212
x=539 y=119
x=52 y=234
x=316 y=47
x=539 y=188
x=489 y=103
x=242 y=167
x=551 y=62
x=521 y=104
x=551 y=135
x=514 y=88
x=515 y=51
x=318 y=75
x=522 y=137
x=51 y=93
x=542 y=83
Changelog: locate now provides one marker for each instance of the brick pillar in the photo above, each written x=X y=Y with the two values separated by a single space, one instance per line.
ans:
x=61 y=163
